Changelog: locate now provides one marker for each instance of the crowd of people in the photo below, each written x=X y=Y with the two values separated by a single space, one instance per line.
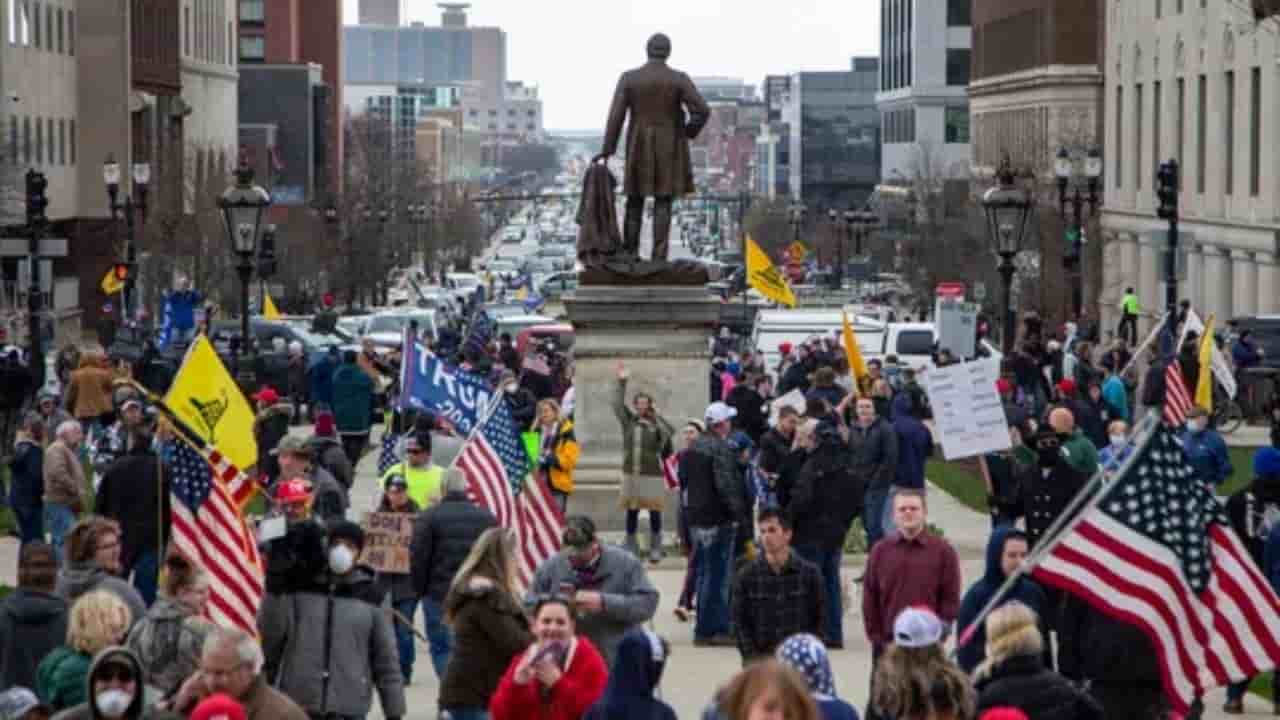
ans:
x=109 y=619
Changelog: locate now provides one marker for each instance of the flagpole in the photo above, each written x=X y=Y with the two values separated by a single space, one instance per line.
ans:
x=1085 y=500
x=1137 y=352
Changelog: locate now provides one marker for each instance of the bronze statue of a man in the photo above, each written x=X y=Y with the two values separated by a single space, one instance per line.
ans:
x=658 y=136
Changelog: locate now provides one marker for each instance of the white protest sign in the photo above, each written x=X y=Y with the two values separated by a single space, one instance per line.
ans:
x=793 y=399
x=968 y=416
x=958 y=327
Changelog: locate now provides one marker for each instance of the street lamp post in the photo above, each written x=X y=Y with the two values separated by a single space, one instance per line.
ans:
x=1069 y=191
x=1008 y=210
x=243 y=206
x=141 y=182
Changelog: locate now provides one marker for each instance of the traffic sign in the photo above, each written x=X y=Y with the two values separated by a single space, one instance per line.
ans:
x=980 y=291
x=950 y=290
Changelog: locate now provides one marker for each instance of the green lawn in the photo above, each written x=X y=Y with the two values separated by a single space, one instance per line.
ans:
x=962 y=480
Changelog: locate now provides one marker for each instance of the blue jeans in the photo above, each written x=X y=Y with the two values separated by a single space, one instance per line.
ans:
x=146 y=570
x=404 y=636
x=30 y=522
x=438 y=639
x=464 y=713
x=713 y=548
x=828 y=562
x=873 y=513
x=1236 y=691
x=58 y=519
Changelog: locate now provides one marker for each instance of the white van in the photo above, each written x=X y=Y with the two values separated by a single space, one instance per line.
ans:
x=911 y=342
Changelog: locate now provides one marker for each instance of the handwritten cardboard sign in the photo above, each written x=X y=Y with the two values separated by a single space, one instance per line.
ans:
x=387 y=537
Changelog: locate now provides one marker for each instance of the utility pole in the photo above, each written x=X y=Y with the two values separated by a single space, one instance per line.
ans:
x=37 y=220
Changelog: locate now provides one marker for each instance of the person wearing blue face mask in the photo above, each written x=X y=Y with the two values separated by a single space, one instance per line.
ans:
x=1205 y=449
x=1118 y=448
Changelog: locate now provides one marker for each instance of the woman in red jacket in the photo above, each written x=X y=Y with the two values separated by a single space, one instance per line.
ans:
x=559 y=677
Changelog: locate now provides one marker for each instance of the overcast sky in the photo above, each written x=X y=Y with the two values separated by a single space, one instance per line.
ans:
x=574 y=50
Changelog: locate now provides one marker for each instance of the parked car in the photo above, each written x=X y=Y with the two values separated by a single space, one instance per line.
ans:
x=386 y=329
x=557 y=285
x=515 y=324
x=562 y=332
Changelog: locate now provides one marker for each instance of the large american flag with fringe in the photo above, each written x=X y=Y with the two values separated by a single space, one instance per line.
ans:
x=498 y=478
x=209 y=528
x=1158 y=552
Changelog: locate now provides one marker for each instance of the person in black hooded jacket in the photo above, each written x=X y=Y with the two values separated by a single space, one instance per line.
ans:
x=826 y=499
x=749 y=399
x=635 y=674
x=33 y=621
x=135 y=493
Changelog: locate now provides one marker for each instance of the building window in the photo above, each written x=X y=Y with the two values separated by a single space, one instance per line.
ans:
x=957 y=124
x=1157 y=109
x=1229 y=167
x=1159 y=9
x=531 y=127
x=532 y=113
x=252 y=48
x=957 y=66
x=39 y=141
x=252 y=11
x=958 y=13
x=35 y=25
x=1202 y=124
x=1119 y=135
x=1255 y=131
x=61 y=19
x=71 y=34
x=62 y=141
x=1137 y=137
x=186 y=31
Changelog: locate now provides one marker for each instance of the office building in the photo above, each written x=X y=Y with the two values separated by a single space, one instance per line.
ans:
x=1195 y=81
x=924 y=70
x=303 y=33
x=834 y=135
x=379 y=12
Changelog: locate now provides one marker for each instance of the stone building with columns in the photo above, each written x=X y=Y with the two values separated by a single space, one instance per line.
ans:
x=1197 y=81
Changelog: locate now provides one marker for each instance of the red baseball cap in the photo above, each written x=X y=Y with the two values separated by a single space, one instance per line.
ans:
x=218 y=707
x=1004 y=386
x=1067 y=386
x=267 y=394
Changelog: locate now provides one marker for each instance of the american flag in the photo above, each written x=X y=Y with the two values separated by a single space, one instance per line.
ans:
x=209 y=529
x=1158 y=552
x=387 y=456
x=1177 y=400
x=497 y=469
x=534 y=362
x=671 y=470
x=239 y=485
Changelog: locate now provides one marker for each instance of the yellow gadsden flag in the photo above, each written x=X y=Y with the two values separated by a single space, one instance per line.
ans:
x=1204 y=383
x=269 y=311
x=209 y=403
x=110 y=283
x=763 y=276
x=857 y=366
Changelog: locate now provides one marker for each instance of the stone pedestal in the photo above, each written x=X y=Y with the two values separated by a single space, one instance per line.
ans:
x=662 y=334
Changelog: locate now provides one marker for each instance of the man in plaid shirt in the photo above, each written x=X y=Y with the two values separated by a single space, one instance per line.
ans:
x=776 y=595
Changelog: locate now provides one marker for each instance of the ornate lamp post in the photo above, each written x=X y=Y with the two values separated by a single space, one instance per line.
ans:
x=1069 y=192
x=1008 y=210
x=243 y=206
x=141 y=181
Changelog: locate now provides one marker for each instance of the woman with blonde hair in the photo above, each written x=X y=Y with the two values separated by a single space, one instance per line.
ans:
x=558 y=450
x=1013 y=673
x=98 y=620
x=488 y=623
x=766 y=690
x=913 y=680
x=170 y=638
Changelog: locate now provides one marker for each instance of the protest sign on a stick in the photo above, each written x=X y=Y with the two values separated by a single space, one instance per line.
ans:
x=967 y=413
x=387 y=536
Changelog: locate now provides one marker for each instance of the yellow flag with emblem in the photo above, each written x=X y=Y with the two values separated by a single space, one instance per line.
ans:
x=110 y=283
x=209 y=402
x=269 y=311
x=764 y=277
x=857 y=365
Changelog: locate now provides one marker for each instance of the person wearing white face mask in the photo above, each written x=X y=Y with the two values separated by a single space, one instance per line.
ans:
x=1205 y=449
x=331 y=645
x=114 y=688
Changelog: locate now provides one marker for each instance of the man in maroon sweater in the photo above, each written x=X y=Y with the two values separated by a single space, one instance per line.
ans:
x=910 y=568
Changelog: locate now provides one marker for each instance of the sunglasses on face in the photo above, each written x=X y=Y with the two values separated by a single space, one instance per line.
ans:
x=417 y=452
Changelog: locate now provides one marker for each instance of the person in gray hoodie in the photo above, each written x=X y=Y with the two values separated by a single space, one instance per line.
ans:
x=93 y=563
x=608 y=585
x=328 y=645
x=33 y=621
x=114 y=688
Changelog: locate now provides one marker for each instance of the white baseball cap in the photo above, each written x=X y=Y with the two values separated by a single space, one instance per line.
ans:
x=917 y=627
x=718 y=412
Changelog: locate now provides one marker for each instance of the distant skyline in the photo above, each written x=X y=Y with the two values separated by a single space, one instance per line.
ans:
x=574 y=50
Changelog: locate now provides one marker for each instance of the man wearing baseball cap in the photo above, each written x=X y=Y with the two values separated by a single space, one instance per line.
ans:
x=714 y=507
x=270 y=427
x=425 y=478
x=296 y=455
